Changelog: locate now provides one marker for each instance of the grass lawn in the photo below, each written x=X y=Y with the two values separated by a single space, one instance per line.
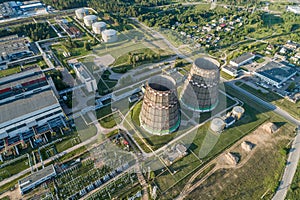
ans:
x=85 y=131
x=290 y=107
x=14 y=168
x=9 y=71
x=226 y=76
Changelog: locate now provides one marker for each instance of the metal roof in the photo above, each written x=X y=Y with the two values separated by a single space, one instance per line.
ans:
x=276 y=71
x=24 y=106
x=243 y=58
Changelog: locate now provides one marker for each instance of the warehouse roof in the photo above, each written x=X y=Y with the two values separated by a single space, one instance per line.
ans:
x=25 y=105
x=242 y=58
x=276 y=71
x=32 y=178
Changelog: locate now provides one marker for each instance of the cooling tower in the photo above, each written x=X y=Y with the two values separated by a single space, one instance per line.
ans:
x=200 y=90
x=160 y=113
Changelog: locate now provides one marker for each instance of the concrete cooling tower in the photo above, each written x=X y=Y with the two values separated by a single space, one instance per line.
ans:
x=160 y=113
x=200 y=90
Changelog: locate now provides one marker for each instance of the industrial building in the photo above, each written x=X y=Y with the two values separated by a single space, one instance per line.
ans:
x=13 y=48
x=275 y=73
x=98 y=27
x=31 y=110
x=231 y=70
x=85 y=77
x=160 y=113
x=81 y=13
x=71 y=30
x=109 y=35
x=89 y=20
x=200 y=91
x=242 y=59
x=36 y=179
x=219 y=124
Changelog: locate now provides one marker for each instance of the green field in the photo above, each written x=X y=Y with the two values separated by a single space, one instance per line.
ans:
x=14 y=168
x=258 y=177
x=9 y=71
x=290 y=107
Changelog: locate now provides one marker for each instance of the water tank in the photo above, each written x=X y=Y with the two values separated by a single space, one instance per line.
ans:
x=81 y=13
x=238 y=112
x=89 y=20
x=217 y=125
x=4 y=55
x=160 y=113
x=109 y=35
x=200 y=90
x=98 y=27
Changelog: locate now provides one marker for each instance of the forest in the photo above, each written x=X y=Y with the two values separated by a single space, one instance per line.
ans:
x=38 y=31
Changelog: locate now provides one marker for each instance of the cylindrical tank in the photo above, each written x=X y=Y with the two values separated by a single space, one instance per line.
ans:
x=89 y=20
x=160 y=113
x=200 y=90
x=109 y=35
x=217 y=125
x=4 y=55
x=238 y=112
x=98 y=27
x=81 y=13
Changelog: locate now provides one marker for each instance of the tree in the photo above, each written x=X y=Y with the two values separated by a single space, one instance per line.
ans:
x=87 y=46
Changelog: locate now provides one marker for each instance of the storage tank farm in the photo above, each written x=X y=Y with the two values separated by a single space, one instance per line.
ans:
x=160 y=114
x=201 y=88
x=81 y=13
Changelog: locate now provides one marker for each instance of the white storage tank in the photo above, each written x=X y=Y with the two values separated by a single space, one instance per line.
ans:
x=238 y=112
x=81 y=13
x=89 y=20
x=109 y=35
x=217 y=125
x=98 y=27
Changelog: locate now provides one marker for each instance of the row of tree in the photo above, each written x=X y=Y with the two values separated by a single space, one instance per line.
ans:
x=36 y=31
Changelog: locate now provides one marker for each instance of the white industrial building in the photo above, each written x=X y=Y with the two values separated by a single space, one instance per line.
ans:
x=85 y=77
x=242 y=59
x=98 y=27
x=109 y=35
x=29 y=109
x=36 y=179
x=81 y=13
x=89 y=20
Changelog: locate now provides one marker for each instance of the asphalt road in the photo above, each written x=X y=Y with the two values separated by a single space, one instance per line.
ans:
x=290 y=169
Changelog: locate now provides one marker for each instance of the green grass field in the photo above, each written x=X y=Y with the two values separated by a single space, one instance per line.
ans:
x=9 y=71
x=290 y=107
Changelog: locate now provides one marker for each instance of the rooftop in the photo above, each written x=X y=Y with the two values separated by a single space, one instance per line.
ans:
x=32 y=178
x=243 y=58
x=13 y=44
x=25 y=105
x=276 y=71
